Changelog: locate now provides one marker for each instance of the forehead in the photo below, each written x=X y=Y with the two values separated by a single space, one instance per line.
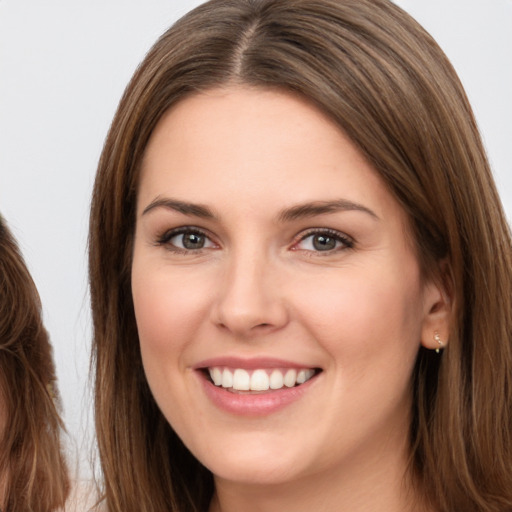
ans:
x=242 y=117
x=245 y=144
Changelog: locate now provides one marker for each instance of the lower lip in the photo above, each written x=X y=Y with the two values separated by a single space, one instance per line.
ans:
x=261 y=404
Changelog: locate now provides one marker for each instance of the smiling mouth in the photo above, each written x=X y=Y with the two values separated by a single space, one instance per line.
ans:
x=239 y=380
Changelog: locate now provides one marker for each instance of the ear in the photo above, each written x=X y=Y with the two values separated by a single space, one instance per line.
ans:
x=438 y=307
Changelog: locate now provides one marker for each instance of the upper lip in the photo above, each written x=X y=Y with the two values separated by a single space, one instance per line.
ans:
x=252 y=363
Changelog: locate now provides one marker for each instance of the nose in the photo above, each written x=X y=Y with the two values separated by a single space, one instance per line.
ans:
x=250 y=300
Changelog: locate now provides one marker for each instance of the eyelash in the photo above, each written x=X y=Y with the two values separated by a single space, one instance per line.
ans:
x=167 y=236
x=347 y=242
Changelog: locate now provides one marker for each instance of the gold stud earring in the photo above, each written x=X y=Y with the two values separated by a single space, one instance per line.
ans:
x=437 y=338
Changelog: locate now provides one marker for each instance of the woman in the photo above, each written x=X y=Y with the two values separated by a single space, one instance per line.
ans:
x=300 y=272
x=32 y=466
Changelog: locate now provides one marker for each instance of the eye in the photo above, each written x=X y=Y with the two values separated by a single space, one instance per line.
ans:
x=323 y=240
x=185 y=239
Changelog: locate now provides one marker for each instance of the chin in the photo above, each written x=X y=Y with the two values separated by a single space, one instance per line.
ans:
x=255 y=463
x=250 y=473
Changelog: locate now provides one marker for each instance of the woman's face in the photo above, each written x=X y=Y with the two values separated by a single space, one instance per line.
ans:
x=267 y=253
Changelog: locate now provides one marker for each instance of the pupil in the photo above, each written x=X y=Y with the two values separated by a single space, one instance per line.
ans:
x=193 y=241
x=323 y=243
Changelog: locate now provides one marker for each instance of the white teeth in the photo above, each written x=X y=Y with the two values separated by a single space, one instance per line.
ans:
x=227 y=379
x=304 y=375
x=276 y=380
x=260 y=379
x=241 y=380
x=290 y=378
x=216 y=376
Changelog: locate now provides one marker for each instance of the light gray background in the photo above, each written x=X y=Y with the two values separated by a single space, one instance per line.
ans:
x=63 y=67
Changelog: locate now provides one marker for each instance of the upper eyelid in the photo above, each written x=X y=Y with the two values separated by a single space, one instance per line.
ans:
x=332 y=232
x=166 y=235
x=185 y=229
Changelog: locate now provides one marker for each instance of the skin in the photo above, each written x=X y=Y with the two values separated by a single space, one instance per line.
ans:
x=260 y=288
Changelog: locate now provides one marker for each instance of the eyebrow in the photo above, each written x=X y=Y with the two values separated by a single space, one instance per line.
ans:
x=300 y=211
x=306 y=210
x=196 y=210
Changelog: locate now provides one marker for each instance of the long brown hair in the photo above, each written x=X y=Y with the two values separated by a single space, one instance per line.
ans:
x=389 y=87
x=31 y=460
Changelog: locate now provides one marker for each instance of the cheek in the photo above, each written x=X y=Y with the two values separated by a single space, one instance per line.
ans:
x=168 y=306
x=360 y=312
